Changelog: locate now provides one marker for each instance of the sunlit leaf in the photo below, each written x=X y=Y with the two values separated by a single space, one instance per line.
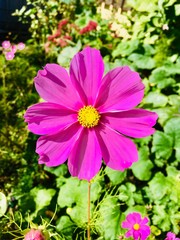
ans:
x=156 y=99
x=142 y=61
x=42 y=197
x=162 y=145
x=142 y=168
x=109 y=220
x=116 y=177
x=3 y=204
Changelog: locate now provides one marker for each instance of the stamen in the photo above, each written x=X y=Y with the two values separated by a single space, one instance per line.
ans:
x=88 y=116
x=136 y=226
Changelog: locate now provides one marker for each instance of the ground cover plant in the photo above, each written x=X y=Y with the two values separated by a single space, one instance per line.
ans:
x=142 y=200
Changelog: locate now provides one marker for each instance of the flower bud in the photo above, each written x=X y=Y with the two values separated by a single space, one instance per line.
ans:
x=34 y=234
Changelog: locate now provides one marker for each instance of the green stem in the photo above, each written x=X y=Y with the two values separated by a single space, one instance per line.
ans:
x=89 y=211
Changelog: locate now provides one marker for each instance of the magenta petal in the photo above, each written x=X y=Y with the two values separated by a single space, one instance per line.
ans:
x=86 y=71
x=170 y=235
x=46 y=118
x=121 y=89
x=53 y=85
x=129 y=233
x=134 y=218
x=145 y=232
x=118 y=151
x=134 y=123
x=85 y=159
x=137 y=235
x=144 y=220
x=55 y=149
x=126 y=224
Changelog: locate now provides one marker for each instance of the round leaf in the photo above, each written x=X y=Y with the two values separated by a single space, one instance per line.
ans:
x=3 y=204
x=142 y=168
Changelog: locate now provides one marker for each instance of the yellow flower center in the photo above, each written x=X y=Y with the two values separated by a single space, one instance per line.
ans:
x=136 y=226
x=88 y=116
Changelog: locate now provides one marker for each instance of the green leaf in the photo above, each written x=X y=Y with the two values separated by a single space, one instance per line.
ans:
x=169 y=3
x=149 y=49
x=142 y=61
x=66 y=227
x=2 y=62
x=125 y=48
x=137 y=208
x=142 y=168
x=73 y=190
x=177 y=9
x=166 y=216
x=3 y=204
x=42 y=197
x=162 y=145
x=116 y=177
x=74 y=194
x=156 y=99
x=109 y=218
x=127 y=193
x=143 y=6
x=172 y=128
x=174 y=177
x=161 y=218
x=67 y=54
x=160 y=77
x=159 y=186
x=174 y=100
x=57 y=171
x=164 y=114
x=172 y=68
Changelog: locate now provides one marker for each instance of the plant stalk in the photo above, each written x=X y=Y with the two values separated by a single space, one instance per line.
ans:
x=89 y=211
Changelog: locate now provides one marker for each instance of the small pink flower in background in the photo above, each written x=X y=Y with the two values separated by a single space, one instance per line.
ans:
x=6 y=44
x=20 y=46
x=86 y=117
x=171 y=236
x=62 y=23
x=10 y=50
x=137 y=226
x=13 y=48
x=47 y=47
x=90 y=27
x=34 y=234
x=9 y=55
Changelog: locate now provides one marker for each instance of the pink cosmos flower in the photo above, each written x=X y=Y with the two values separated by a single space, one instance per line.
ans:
x=137 y=226
x=13 y=48
x=9 y=55
x=171 y=236
x=86 y=116
x=34 y=234
x=6 y=44
x=20 y=46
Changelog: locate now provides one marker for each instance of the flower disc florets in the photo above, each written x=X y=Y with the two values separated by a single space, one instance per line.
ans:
x=88 y=116
x=136 y=226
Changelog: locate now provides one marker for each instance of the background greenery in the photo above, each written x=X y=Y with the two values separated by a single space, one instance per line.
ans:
x=143 y=35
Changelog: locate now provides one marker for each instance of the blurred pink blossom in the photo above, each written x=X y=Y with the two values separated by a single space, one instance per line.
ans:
x=9 y=55
x=20 y=46
x=6 y=44
x=171 y=236
x=13 y=48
